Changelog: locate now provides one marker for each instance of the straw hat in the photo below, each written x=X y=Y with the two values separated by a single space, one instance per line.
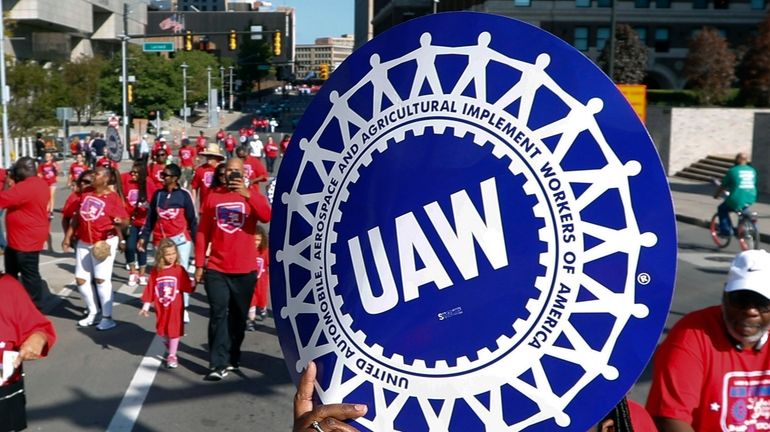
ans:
x=212 y=150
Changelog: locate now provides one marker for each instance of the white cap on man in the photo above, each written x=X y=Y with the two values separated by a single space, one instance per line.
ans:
x=750 y=270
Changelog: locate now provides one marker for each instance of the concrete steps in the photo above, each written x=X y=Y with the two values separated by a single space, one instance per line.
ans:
x=708 y=169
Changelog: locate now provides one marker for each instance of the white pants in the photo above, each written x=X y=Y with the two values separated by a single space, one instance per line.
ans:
x=87 y=266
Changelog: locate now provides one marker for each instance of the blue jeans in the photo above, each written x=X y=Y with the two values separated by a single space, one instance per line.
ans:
x=131 y=252
x=725 y=226
x=184 y=259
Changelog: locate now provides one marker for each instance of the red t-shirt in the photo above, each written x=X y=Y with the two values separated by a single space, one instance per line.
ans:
x=230 y=143
x=48 y=171
x=96 y=216
x=131 y=192
x=76 y=169
x=253 y=168
x=200 y=144
x=164 y=290
x=220 y=135
x=701 y=378
x=27 y=222
x=284 y=145
x=19 y=319
x=170 y=221
x=153 y=173
x=271 y=149
x=157 y=146
x=186 y=157
x=71 y=205
x=229 y=222
x=259 y=298
x=201 y=181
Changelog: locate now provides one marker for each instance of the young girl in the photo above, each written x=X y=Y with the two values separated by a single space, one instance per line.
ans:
x=258 y=309
x=76 y=169
x=48 y=171
x=168 y=280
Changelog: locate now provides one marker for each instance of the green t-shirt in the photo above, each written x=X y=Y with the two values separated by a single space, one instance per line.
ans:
x=741 y=181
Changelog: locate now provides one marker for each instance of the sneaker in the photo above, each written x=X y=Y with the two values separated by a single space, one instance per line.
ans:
x=251 y=325
x=87 y=321
x=106 y=324
x=233 y=368
x=128 y=267
x=133 y=280
x=171 y=362
x=216 y=375
x=142 y=280
x=186 y=317
x=262 y=314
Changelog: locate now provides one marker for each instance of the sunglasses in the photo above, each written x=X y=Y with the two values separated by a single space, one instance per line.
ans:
x=85 y=182
x=745 y=299
x=165 y=174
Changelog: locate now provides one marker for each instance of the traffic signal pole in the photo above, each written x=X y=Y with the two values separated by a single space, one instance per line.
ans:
x=124 y=74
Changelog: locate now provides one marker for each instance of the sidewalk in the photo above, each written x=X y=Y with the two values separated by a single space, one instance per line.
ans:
x=694 y=204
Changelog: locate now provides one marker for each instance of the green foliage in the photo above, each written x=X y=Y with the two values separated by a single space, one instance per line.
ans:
x=251 y=55
x=81 y=79
x=197 y=75
x=35 y=94
x=754 y=69
x=710 y=67
x=630 y=56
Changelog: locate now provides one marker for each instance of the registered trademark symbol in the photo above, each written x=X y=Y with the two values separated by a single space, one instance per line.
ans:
x=643 y=278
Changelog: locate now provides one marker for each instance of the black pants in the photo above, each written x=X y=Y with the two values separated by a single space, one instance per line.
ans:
x=25 y=267
x=229 y=296
x=270 y=164
x=13 y=414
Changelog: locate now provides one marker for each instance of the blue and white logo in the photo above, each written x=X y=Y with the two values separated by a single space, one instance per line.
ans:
x=472 y=232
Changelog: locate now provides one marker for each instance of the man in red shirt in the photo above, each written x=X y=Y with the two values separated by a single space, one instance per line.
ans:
x=186 y=162
x=200 y=143
x=230 y=143
x=155 y=168
x=711 y=372
x=204 y=174
x=253 y=169
x=27 y=224
x=228 y=223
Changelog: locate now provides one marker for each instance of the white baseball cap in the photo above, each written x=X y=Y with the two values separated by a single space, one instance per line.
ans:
x=750 y=270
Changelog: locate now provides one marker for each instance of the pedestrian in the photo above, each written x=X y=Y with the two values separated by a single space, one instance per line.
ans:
x=168 y=279
x=144 y=149
x=711 y=371
x=160 y=145
x=258 y=306
x=156 y=167
x=23 y=329
x=740 y=183
x=98 y=145
x=253 y=168
x=76 y=169
x=271 y=153
x=200 y=143
x=186 y=155
x=204 y=174
x=230 y=143
x=48 y=171
x=220 y=137
x=273 y=124
x=39 y=146
x=171 y=215
x=228 y=222
x=99 y=217
x=256 y=147
x=285 y=144
x=136 y=206
x=27 y=225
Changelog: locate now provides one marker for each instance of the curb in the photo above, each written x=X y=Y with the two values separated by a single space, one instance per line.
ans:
x=763 y=237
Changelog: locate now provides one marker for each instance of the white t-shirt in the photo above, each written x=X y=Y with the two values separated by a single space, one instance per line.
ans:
x=256 y=148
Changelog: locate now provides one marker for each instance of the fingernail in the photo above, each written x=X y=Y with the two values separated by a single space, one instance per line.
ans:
x=361 y=408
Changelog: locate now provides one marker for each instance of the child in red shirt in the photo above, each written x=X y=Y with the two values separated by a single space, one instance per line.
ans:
x=48 y=171
x=258 y=307
x=168 y=280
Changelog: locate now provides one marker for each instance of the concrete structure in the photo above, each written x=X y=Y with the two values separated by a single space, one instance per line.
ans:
x=665 y=26
x=47 y=30
x=363 y=22
x=329 y=50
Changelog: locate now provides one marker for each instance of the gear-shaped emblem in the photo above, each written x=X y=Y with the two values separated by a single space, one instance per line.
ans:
x=462 y=223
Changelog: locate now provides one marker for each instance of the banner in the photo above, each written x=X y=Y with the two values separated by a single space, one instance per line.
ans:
x=474 y=232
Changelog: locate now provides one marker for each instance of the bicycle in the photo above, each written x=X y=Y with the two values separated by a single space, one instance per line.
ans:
x=745 y=230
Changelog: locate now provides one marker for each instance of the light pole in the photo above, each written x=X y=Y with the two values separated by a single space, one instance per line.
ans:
x=435 y=5
x=184 y=95
x=4 y=95
x=208 y=92
x=231 y=87
x=124 y=75
x=222 y=85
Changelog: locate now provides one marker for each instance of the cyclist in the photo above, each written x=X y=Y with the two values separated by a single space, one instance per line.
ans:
x=740 y=183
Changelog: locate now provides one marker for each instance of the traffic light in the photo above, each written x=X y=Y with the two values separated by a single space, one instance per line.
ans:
x=277 y=43
x=232 y=41
x=188 y=42
x=130 y=93
x=323 y=71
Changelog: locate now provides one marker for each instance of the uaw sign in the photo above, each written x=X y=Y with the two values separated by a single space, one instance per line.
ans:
x=473 y=232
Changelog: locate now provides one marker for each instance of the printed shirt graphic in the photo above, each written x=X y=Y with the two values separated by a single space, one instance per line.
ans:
x=746 y=401
x=75 y=170
x=166 y=290
x=208 y=177
x=132 y=196
x=186 y=155
x=92 y=208
x=741 y=181
x=231 y=216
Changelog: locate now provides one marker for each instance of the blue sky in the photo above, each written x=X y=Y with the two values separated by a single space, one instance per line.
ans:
x=320 y=18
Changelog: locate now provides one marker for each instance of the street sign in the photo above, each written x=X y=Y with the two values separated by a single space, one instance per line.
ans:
x=158 y=47
x=263 y=67
x=64 y=113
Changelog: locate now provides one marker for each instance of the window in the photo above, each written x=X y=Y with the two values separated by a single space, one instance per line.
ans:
x=581 y=38
x=661 y=39
x=758 y=5
x=641 y=4
x=642 y=33
x=602 y=36
x=663 y=4
x=700 y=4
x=604 y=3
x=583 y=3
x=522 y=3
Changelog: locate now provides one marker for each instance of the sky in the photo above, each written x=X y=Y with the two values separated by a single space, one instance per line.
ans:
x=320 y=18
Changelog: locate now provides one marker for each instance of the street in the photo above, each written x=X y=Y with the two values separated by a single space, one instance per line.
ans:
x=94 y=381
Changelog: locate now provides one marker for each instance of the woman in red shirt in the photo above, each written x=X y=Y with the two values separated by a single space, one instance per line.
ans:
x=271 y=152
x=76 y=169
x=100 y=214
x=48 y=171
x=136 y=207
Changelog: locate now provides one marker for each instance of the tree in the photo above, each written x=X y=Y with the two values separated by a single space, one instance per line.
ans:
x=710 y=66
x=35 y=94
x=81 y=78
x=254 y=60
x=197 y=76
x=630 y=56
x=754 y=70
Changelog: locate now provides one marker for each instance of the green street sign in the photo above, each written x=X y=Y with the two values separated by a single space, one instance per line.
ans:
x=158 y=47
x=263 y=67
